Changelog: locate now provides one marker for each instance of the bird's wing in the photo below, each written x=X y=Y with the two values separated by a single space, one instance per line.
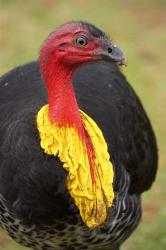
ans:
x=104 y=94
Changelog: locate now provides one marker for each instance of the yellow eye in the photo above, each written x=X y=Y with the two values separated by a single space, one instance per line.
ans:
x=81 y=41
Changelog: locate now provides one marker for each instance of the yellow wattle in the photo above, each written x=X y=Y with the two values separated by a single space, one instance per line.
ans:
x=92 y=199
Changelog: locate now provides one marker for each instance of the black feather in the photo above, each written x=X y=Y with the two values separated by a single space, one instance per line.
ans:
x=32 y=184
x=93 y=30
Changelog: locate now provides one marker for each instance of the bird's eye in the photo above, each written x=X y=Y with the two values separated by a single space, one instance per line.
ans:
x=109 y=50
x=81 y=41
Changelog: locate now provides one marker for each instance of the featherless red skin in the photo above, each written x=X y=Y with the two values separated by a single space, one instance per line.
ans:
x=58 y=62
x=58 y=59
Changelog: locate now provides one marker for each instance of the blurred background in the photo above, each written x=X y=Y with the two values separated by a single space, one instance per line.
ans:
x=139 y=28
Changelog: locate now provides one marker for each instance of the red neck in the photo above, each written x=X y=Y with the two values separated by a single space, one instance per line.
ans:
x=63 y=107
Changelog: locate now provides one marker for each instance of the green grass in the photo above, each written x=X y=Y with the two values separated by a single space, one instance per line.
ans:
x=138 y=27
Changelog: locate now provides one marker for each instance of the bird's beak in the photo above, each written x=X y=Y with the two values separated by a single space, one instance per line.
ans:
x=113 y=53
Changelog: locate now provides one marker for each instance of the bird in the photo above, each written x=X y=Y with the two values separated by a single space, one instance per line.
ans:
x=77 y=148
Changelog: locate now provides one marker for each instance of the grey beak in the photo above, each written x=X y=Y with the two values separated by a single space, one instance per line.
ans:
x=113 y=53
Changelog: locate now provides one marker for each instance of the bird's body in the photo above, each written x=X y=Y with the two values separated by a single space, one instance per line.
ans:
x=36 y=208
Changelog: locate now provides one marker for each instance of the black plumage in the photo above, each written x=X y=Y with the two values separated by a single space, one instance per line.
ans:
x=35 y=206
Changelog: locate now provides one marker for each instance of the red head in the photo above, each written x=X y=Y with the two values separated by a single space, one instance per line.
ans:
x=65 y=49
x=77 y=42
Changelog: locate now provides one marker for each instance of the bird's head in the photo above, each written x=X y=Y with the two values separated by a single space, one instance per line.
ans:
x=75 y=43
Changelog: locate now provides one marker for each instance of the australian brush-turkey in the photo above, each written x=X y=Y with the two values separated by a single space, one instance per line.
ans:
x=76 y=146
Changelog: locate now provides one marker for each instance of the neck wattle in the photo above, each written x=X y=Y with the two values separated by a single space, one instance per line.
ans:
x=63 y=107
x=67 y=132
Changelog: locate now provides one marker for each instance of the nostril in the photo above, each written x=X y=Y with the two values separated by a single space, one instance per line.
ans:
x=109 y=50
